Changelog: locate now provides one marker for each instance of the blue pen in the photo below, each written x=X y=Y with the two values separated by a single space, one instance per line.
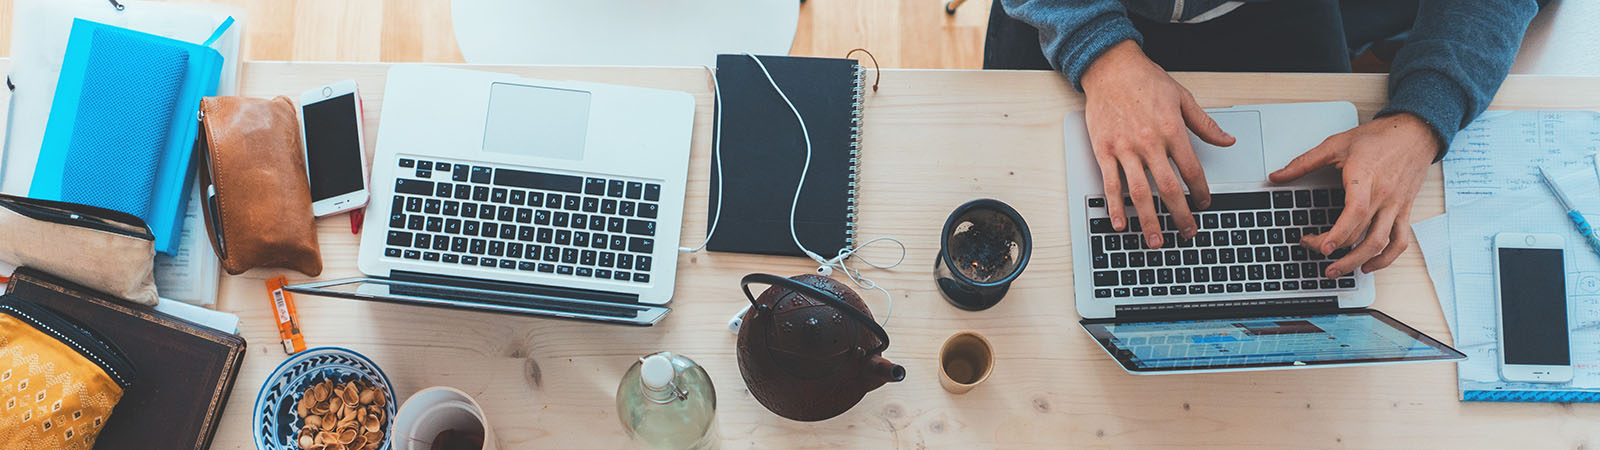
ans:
x=1572 y=212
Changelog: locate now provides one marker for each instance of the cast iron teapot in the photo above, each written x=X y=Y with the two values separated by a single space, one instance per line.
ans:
x=809 y=348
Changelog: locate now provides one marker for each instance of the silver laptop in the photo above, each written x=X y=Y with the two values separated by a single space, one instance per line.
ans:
x=500 y=193
x=1245 y=263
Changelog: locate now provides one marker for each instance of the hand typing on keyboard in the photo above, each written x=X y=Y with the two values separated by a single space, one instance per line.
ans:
x=1383 y=164
x=1137 y=118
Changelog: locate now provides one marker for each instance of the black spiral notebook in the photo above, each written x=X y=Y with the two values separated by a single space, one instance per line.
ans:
x=763 y=152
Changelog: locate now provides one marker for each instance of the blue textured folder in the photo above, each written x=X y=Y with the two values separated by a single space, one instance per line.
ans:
x=122 y=125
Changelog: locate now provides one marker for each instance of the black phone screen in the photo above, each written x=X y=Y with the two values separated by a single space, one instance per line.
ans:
x=1533 y=306
x=333 y=147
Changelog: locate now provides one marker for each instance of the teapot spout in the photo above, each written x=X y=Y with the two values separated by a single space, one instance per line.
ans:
x=885 y=371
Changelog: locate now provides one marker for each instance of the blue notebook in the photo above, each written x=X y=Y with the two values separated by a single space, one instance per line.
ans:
x=122 y=124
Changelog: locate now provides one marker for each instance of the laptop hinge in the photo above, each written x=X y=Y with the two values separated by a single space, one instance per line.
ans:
x=1227 y=308
x=522 y=288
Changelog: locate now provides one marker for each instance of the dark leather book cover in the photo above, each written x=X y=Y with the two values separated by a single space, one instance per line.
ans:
x=186 y=371
x=763 y=151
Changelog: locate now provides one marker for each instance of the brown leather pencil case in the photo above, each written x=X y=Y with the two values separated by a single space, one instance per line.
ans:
x=258 y=201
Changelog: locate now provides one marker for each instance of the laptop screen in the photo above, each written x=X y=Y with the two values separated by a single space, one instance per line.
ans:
x=1343 y=337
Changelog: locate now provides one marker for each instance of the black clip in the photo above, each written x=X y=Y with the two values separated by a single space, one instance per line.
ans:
x=117 y=5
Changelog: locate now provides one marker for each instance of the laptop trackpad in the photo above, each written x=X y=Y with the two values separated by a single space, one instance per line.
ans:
x=1243 y=162
x=536 y=121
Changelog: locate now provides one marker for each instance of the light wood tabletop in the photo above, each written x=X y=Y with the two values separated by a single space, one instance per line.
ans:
x=931 y=141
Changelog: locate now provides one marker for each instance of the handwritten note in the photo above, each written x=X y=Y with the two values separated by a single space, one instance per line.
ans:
x=1502 y=151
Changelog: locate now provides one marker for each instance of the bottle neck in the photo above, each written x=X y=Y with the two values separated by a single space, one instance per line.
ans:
x=664 y=394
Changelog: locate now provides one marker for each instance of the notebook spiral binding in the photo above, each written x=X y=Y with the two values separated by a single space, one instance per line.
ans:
x=855 y=157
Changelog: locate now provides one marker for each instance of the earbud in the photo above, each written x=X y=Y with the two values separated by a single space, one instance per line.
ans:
x=824 y=270
x=737 y=320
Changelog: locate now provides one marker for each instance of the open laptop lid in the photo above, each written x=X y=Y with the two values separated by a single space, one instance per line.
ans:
x=496 y=300
x=1288 y=340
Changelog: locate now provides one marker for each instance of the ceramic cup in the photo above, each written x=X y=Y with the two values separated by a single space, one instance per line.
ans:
x=965 y=360
x=435 y=410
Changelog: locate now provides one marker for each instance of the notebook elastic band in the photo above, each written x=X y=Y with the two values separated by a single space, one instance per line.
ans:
x=220 y=29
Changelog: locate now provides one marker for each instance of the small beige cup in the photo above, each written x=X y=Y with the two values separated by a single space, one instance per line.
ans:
x=433 y=410
x=965 y=360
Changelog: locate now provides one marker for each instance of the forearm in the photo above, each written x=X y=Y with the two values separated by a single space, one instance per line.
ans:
x=1073 y=33
x=1458 y=54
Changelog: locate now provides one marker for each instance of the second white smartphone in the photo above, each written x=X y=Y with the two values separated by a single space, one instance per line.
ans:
x=1531 y=302
x=336 y=163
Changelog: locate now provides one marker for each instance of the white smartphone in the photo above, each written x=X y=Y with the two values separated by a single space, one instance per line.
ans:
x=1531 y=301
x=336 y=163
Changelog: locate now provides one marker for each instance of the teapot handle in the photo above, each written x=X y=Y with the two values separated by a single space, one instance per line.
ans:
x=821 y=295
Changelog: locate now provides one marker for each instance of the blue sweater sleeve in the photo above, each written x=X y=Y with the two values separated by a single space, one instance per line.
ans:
x=1455 y=59
x=1072 y=33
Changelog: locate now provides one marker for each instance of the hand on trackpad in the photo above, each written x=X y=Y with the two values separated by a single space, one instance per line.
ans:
x=1244 y=161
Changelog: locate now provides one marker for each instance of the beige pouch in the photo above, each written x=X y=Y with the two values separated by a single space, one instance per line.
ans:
x=101 y=249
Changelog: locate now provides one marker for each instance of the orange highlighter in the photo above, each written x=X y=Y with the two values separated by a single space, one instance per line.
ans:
x=288 y=318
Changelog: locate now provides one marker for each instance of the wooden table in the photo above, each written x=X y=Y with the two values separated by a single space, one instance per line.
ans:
x=932 y=140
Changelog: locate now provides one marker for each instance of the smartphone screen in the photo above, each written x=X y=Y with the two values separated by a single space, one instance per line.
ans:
x=1533 y=306
x=333 y=147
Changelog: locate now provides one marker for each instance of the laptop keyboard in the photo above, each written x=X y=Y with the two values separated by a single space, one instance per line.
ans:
x=526 y=221
x=1248 y=242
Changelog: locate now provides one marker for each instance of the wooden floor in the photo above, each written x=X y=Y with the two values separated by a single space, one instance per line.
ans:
x=900 y=33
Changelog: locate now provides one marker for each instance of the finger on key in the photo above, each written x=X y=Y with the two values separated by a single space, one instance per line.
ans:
x=1172 y=196
x=1194 y=176
x=1357 y=216
x=1399 y=240
x=1112 y=177
x=1375 y=242
x=1139 y=190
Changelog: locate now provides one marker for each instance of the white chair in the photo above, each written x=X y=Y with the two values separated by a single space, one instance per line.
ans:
x=621 y=32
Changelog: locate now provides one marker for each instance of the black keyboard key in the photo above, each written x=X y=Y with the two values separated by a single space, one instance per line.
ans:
x=397 y=220
x=1274 y=272
x=514 y=250
x=1320 y=198
x=1136 y=259
x=541 y=217
x=1282 y=199
x=1112 y=242
x=580 y=239
x=1209 y=222
x=480 y=193
x=1271 y=285
x=635 y=190
x=1264 y=254
x=1319 y=217
x=1275 y=236
x=1258 y=237
x=1147 y=276
x=642 y=263
x=407 y=163
x=1235 y=287
x=535 y=199
x=1301 y=218
x=585 y=272
x=1281 y=218
x=1236 y=273
x=1309 y=270
x=1164 y=276
x=1197 y=289
x=1141 y=292
x=1346 y=283
x=1263 y=219
x=1240 y=201
x=482 y=174
x=498 y=195
x=1181 y=275
x=1214 y=289
x=463 y=192
x=616 y=188
x=1121 y=292
x=1302 y=199
x=1229 y=220
x=619 y=242
x=458 y=245
x=1158 y=290
x=1102 y=293
x=527 y=266
x=524 y=215
x=478 y=246
x=545 y=236
x=518 y=197
x=1213 y=274
x=497 y=248
x=547 y=268
x=1225 y=255
x=508 y=231
x=641 y=227
x=608 y=206
x=573 y=203
x=1244 y=255
x=564 y=237
x=460 y=173
x=1291 y=236
x=490 y=229
x=608 y=259
x=652 y=192
x=391 y=252
x=1152 y=259
x=562 y=219
x=649 y=210
x=443 y=190
x=1252 y=287
x=552 y=253
x=469 y=260
x=1291 y=271
x=1327 y=284
x=1191 y=258
x=1308 y=284
x=591 y=204
x=621 y=276
x=594 y=186
x=1208 y=256
x=1247 y=220
x=587 y=257
x=1119 y=260
x=627 y=208
x=604 y=274
x=414 y=204
x=1202 y=239
x=399 y=238
x=642 y=245
x=537 y=180
x=1239 y=237
x=1173 y=257
x=486 y=211
x=625 y=261
x=569 y=256
x=452 y=259
x=1100 y=226
x=1132 y=241
x=412 y=254
x=1256 y=272
x=505 y=213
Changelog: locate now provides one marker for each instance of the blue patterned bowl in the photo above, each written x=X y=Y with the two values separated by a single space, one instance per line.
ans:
x=275 y=424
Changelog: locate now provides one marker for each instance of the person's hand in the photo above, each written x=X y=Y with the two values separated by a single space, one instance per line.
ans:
x=1384 y=163
x=1137 y=118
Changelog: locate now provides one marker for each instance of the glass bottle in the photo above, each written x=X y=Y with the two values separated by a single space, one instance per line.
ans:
x=666 y=401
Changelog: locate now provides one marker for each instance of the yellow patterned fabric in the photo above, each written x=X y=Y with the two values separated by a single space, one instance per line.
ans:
x=51 y=397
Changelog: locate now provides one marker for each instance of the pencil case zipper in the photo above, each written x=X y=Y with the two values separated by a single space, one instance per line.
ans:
x=86 y=342
x=79 y=215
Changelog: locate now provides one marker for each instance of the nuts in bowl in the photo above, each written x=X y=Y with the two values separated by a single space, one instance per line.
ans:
x=341 y=416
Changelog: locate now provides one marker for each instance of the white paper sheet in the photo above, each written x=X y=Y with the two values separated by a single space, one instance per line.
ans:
x=1433 y=240
x=191 y=274
x=1472 y=227
x=218 y=320
x=1501 y=151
